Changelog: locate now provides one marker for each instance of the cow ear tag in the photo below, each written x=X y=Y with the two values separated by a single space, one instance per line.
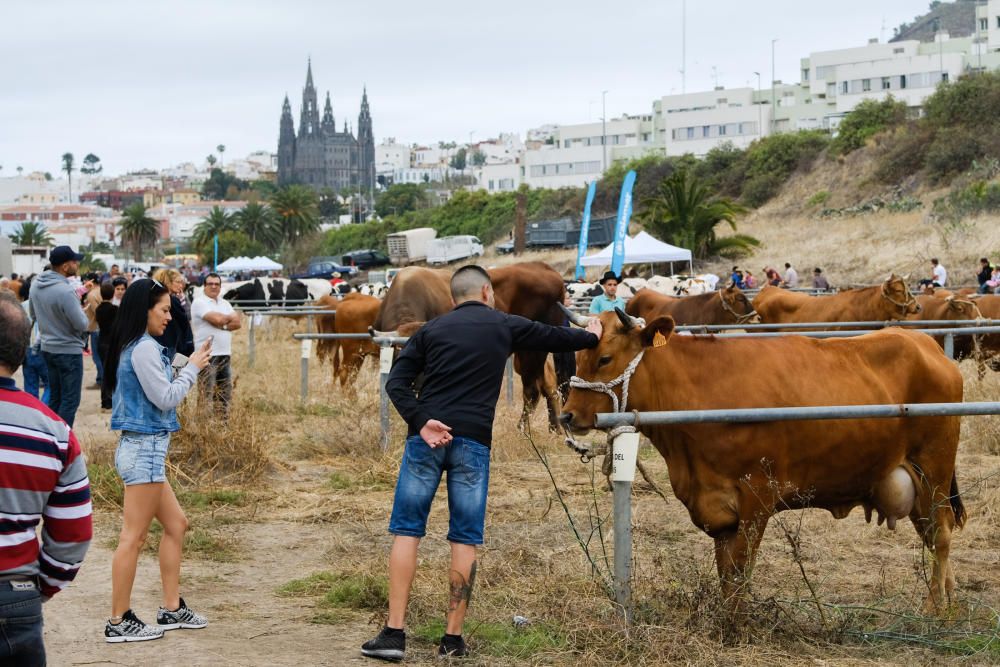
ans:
x=659 y=340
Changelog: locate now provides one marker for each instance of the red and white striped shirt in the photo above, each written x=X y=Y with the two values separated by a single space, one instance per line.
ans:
x=43 y=478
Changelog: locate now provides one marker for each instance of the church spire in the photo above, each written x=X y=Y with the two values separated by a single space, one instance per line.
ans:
x=328 y=124
x=309 y=73
x=309 y=115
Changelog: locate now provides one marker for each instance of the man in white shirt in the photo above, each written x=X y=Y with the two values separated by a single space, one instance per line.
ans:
x=211 y=315
x=938 y=273
x=791 y=276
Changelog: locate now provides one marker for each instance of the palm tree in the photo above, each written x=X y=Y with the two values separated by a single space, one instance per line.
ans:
x=19 y=170
x=67 y=166
x=297 y=210
x=216 y=222
x=138 y=228
x=258 y=222
x=222 y=149
x=31 y=234
x=681 y=211
x=211 y=161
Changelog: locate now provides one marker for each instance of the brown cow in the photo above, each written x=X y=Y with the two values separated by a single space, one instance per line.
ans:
x=528 y=289
x=356 y=313
x=949 y=308
x=732 y=477
x=889 y=301
x=727 y=306
x=327 y=349
x=989 y=306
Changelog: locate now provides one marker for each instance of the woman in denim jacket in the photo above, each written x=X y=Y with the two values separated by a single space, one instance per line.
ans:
x=143 y=407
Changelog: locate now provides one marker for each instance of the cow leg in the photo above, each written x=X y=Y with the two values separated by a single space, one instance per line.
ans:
x=934 y=519
x=735 y=552
x=530 y=366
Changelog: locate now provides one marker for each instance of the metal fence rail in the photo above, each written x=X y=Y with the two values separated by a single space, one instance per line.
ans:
x=625 y=451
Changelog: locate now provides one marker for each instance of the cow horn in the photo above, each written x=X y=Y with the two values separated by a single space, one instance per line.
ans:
x=628 y=321
x=576 y=318
x=375 y=333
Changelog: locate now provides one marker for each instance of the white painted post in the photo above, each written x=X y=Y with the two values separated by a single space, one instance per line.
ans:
x=304 y=388
x=625 y=451
x=384 y=366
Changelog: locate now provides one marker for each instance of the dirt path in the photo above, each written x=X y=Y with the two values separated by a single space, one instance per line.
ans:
x=249 y=623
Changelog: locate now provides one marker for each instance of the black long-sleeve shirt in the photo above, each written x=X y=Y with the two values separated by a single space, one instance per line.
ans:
x=178 y=336
x=462 y=356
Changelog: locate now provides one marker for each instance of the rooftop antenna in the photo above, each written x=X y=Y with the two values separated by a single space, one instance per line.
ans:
x=683 y=46
x=882 y=34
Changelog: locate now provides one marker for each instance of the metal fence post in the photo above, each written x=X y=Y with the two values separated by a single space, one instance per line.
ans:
x=949 y=346
x=304 y=388
x=510 y=381
x=384 y=366
x=252 y=356
x=625 y=450
x=309 y=323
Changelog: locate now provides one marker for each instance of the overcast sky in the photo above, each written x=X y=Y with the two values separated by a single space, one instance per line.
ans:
x=153 y=84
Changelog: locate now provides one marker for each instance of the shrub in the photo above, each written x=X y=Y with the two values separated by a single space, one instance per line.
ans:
x=905 y=153
x=771 y=160
x=953 y=151
x=819 y=198
x=866 y=120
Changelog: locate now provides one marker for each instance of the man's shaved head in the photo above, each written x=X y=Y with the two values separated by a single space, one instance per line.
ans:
x=467 y=283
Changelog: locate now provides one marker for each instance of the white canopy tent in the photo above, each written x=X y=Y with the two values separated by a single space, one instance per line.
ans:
x=641 y=249
x=247 y=264
x=234 y=264
x=261 y=263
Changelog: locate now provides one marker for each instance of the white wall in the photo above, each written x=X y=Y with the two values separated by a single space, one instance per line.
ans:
x=498 y=177
x=698 y=122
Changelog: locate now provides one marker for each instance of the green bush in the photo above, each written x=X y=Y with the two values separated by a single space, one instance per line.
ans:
x=819 y=198
x=772 y=160
x=953 y=150
x=866 y=120
x=974 y=199
x=906 y=152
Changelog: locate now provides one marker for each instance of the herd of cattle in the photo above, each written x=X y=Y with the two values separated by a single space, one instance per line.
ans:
x=731 y=477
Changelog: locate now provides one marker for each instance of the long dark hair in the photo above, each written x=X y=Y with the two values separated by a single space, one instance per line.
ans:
x=130 y=325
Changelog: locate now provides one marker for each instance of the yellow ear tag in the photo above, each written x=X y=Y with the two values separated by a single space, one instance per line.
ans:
x=659 y=340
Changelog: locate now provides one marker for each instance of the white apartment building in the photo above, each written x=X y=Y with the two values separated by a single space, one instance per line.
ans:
x=390 y=156
x=500 y=177
x=181 y=219
x=697 y=122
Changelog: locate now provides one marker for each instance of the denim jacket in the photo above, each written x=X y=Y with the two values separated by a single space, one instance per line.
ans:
x=144 y=400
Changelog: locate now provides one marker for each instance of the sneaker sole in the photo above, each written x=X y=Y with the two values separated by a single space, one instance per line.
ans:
x=392 y=655
x=181 y=626
x=120 y=640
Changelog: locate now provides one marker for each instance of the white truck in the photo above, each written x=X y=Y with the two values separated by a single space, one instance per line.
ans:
x=409 y=246
x=451 y=248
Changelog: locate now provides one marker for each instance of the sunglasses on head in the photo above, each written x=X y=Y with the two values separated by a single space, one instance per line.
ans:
x=157 y=283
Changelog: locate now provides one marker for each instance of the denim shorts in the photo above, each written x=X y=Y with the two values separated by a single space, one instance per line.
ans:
x=141 y=458
x=467 y=463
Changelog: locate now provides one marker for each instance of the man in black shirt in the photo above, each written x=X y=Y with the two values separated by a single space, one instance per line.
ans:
x=461 y=356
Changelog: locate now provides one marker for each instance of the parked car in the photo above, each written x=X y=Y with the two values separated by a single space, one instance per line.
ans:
x=505 y=248
x=365 y=259
x=324 y=267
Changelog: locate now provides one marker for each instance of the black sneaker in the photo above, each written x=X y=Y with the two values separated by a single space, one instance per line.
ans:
x=131 y=629
x=389 y=645
x=182 y=617
x=452 y=646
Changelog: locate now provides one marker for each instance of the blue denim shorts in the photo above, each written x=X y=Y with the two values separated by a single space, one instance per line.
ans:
x=467 y=463
x=141 y=458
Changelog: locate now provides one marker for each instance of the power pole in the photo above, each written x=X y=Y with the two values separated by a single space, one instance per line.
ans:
x=520 y=213
x=773 y=112
x=604 y=131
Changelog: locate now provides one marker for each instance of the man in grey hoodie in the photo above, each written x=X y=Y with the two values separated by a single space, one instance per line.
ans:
x=62 y=326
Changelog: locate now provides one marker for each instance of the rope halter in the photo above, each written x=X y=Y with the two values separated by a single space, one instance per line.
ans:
x=740 y=319
x=910 y=299
x=608 y=387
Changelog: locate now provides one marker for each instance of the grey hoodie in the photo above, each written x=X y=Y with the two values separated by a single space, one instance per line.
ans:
x=62 y=323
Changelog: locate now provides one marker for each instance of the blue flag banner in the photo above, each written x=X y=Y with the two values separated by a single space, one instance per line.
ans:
x=621 y=227
x=585 y=231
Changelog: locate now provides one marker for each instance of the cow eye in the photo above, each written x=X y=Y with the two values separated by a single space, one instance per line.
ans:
x=603 y=361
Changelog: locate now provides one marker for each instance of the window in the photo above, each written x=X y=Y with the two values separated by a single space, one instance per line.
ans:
x=722 y=130
x=565 y=145
x=998 y=21
x=690 y=133
x=705 y=131
x=898 y=50
x=866 y=85
x=886 y=83
x=944 y=77
x=902 y=81
x=805 y=74
x=984 y=24
x=844 y=86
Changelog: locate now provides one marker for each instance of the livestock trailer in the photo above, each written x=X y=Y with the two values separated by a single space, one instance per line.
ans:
x=409 y=246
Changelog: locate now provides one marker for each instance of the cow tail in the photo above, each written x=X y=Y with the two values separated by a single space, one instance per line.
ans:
x=956 y=502
x=335 y=349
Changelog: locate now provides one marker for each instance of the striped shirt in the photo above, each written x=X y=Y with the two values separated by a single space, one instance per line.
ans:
x=43 y=475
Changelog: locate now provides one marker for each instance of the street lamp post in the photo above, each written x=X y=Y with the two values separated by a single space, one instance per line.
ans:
x=760 y=115
x=604 y=131
x=773 y=114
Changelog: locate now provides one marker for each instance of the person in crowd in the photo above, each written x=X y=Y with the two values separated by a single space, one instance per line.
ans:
x=34 y=370
x=120 y=284
x=63 y=327
x=336 y=279
x=91 y=300
x=819 y=280
x=772 y=276
x=791 y=279
x=145 y=396
x=984 y=275
x=609 y=300
x=938 y=277
x=736 y=277
x=47 y=486
x=993 y=284
x=107 y=313
x=213 y=316
x=450 y=427
x=749 y=282
x=178 y=336
x=15 y=285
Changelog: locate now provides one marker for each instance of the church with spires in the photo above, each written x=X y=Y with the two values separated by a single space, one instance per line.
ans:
x=320 y=156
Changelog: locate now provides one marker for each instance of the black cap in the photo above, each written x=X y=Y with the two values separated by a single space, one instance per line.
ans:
x=62 y=254
x=610 y=275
